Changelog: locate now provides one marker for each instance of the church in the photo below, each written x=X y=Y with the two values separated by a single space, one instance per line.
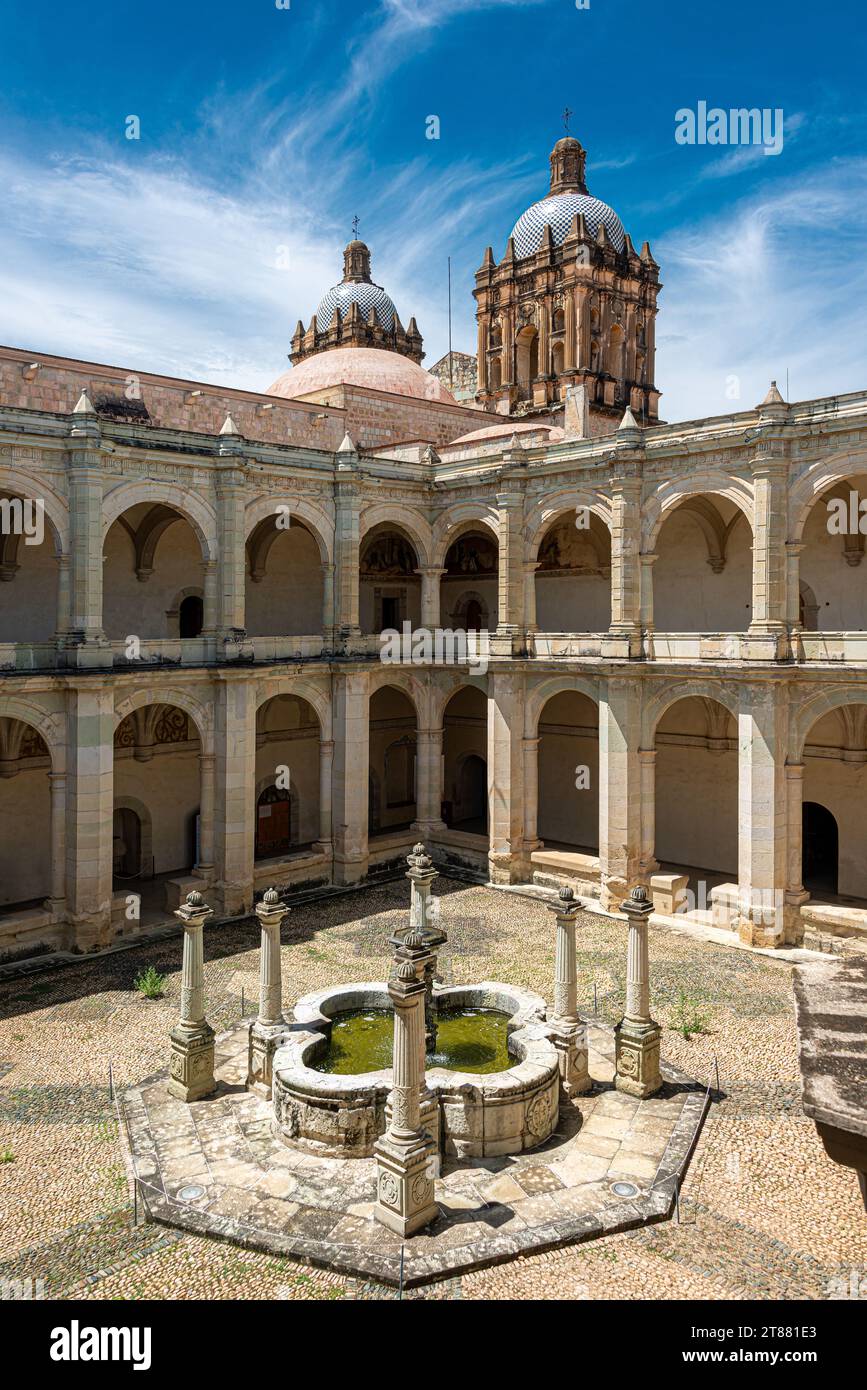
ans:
x=194 y=690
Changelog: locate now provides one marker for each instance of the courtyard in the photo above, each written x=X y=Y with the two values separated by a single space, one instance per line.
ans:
x=763 y=1213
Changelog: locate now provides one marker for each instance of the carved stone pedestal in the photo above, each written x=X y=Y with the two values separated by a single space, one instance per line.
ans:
x=571 y=1044
x=192 y=1062
x=637 y=1036
x=405 y=1184
x=637 y=1047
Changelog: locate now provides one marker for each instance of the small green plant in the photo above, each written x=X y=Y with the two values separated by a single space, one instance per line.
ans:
x=7 y=1156
x=687 y=1016
x=150 y=983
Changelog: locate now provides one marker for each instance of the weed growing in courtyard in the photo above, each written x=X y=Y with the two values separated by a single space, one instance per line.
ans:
x=7 y=1156
x=150 y=982
x=687 y=1015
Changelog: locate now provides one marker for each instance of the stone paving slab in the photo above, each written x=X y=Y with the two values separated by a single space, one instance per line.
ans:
x=216 y=1168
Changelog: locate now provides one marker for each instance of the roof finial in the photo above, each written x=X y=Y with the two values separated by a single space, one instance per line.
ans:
x=355 y=228
x=567 y=116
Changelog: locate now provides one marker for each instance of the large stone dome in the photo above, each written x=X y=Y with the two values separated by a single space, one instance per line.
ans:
x=371 y=368
x=560 y=210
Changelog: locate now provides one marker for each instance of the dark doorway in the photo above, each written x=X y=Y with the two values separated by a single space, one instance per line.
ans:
x=820 y=849
x=126 y=833
x=390 y=614
x=273 y=824
x=474 y=616
x=471 y=810
x=191 y=616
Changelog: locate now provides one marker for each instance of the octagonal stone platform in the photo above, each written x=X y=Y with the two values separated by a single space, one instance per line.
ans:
x=215 y=1167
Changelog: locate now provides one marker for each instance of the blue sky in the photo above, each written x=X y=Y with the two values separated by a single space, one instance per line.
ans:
x=194 y=250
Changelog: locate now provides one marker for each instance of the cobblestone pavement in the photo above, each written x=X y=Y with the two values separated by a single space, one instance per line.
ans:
x=764 y=1213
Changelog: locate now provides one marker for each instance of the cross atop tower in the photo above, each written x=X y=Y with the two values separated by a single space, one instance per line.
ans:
x=567 y=116
x=355 y=228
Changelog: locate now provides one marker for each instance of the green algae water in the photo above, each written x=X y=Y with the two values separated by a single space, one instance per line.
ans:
x=472 y=1040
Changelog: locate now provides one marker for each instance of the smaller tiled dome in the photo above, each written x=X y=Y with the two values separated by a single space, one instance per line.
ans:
x=363 y=293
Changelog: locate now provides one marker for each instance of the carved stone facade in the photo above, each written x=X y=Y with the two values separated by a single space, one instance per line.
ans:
x=571 y=304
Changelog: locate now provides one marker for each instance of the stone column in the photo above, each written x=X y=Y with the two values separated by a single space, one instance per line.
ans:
x=192 y=1066
x=762 y=808
x=793 y=598
x=347 y=554
x=406 y=1155
x=531 y=794
x=232 y=580
x=511 y=563
x=266 y=1031
x=568 y=1032
x=796 y=894
x=57 y=784
x=61 y=635
x=647 y=762
x=637 y=1036
x=328 y=606
x=351 y=771
x=505 y=776
x=89 y=808
x=429 y=753
x=625 y=567
x=647 y=562
x=530 y=619
x=620 y=841
x=235 y=777
x=430 y=596
x=326 y=768
x=211 y=601
x=87 y=644
x=770 y=474
x=205 y=866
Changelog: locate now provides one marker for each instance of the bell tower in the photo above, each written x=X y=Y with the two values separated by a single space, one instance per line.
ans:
x=571 y=303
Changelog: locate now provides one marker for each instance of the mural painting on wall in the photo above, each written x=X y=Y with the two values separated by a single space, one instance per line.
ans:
x=566 y=550
x=389 y=557
x=472 y=555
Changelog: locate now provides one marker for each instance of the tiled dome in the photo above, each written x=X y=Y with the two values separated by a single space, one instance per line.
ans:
x=560 y=209
x=363 y=293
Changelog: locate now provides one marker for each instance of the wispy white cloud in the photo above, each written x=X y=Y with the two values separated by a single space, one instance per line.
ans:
x=776 y=283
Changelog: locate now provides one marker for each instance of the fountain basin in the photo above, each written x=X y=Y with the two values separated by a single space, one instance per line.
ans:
x=475 y=1115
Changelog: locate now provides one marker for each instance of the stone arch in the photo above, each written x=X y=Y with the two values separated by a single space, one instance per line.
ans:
x=202 y=715
x=50 y=727
x=670 y=495
x=318 y=700
x=405 y=682
x=441 y=694
x=545 y=514
x=538 y=698
x=198 y=513
x=457 y=521
x=670 y=694
x=317 y=521
x=813 y=708
x=816 y=479
x=403 y=519
x=15 y=483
